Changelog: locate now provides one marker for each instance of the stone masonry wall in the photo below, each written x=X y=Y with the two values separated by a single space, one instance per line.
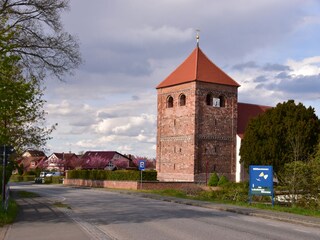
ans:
x=196 y=139
x=175 y=138
x=130 y=185
x=216 y=131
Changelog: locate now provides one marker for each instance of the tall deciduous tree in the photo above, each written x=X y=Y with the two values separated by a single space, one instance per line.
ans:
x=21 y=108
x=37 y=36
x=289 y=132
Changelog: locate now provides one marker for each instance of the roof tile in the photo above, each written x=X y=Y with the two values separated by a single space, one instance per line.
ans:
x=197 y=67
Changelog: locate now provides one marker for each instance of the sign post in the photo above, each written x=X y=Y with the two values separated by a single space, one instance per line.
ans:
x=5 y=151
x=261 y=181
x=142 y=166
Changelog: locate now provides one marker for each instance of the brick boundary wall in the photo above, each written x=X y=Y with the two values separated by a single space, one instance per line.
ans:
x=132 y=185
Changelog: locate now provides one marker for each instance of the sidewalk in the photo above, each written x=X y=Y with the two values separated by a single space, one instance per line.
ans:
x=38 y=220
x=269 y=214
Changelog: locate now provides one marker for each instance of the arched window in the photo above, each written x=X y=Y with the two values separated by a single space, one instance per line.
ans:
x=169 y=102
x=182 y=100
x=222 y=101
x=209 y=99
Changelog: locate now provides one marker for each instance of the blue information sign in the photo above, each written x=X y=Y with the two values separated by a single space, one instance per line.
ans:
x=261 y=181
x=142 y=165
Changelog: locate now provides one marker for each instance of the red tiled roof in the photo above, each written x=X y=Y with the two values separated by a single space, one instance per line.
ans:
x=26 y=161
x=102 y=154
x=36 y=153
x=197 y=67
x=246 y=112
x=65 y=156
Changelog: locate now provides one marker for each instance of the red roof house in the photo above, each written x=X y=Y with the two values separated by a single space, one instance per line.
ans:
x=109 y=160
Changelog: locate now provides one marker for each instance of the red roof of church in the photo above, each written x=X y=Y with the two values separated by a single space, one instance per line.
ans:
x=246 y=112
x=197 y=67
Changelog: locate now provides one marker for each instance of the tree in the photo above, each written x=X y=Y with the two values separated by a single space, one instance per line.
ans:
x=302 y=182
x=34 y=32
x=286 y=133
x=21 y=108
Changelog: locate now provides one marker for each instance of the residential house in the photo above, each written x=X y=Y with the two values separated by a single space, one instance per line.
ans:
x=61 y=161
x=31 y=159
x=108 y=160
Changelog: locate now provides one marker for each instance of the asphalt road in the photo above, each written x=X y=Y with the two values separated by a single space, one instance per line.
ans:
x=102 y=214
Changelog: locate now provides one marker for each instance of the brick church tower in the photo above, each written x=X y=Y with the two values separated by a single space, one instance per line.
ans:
x=197 y=122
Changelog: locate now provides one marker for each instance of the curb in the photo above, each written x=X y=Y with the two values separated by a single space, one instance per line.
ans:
x=3 y=231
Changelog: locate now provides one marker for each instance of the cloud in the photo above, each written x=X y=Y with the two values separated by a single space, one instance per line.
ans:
x=274 y=82
x=129 y=47
x=306 y=67
x=126 y=126
x=260 y=79
x=275 y=67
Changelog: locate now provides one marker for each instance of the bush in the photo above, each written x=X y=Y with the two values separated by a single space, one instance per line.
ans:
x=53 y=180
x=214 y=179
x=23 y=178
x=235 y=192
x=31 y=172
x=223 y=180
x=119 y=175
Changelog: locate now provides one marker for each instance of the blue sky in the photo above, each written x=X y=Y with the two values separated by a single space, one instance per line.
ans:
x=270 y=47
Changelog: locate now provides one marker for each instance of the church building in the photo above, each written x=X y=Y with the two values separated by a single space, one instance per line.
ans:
x=200 y=122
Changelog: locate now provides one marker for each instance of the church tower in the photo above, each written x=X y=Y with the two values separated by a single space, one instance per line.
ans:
x=197 y=122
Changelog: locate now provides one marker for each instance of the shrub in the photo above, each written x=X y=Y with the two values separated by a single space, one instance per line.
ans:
x=235 y=192
x=119 y=175
x=214 y=179
x=223 y=180
x=31 y=172
x=24 y=178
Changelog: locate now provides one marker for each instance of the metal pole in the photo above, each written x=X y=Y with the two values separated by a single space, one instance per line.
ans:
x=4 y=177
x=141 y=180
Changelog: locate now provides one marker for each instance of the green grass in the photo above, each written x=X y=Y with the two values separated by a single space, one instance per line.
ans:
x=61 y=205
x=262 y=205
x=7 y=217
x=169 y=192
x=25 y=194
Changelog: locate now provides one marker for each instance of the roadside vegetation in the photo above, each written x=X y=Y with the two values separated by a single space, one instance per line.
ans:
x=236 y=194
x=7 y=217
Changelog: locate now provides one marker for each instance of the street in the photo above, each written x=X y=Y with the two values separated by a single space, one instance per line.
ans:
x=102 y=214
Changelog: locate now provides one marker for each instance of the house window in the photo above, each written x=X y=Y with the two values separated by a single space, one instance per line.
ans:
x=222 y=101
x=110 y=166
x=209 y=99
x=169 y=102
x=182 y=100
x=215 y=101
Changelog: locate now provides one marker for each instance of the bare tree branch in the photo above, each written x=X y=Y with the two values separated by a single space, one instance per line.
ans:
x=39 y=39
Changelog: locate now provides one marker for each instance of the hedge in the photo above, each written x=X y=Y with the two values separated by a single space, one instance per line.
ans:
x=119 y=175
x=23 y=178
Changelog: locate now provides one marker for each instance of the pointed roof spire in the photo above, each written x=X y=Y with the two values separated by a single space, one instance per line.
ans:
x=197 y=67
x=197 y=37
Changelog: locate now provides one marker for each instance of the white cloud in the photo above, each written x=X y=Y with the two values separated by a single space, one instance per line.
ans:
x=306 y=67
x=127 y=126
x=129 y=47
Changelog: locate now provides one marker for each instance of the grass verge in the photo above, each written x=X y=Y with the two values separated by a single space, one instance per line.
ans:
x=61 y=205
x=7 y=217
x=25 y=194
x=262 y=205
